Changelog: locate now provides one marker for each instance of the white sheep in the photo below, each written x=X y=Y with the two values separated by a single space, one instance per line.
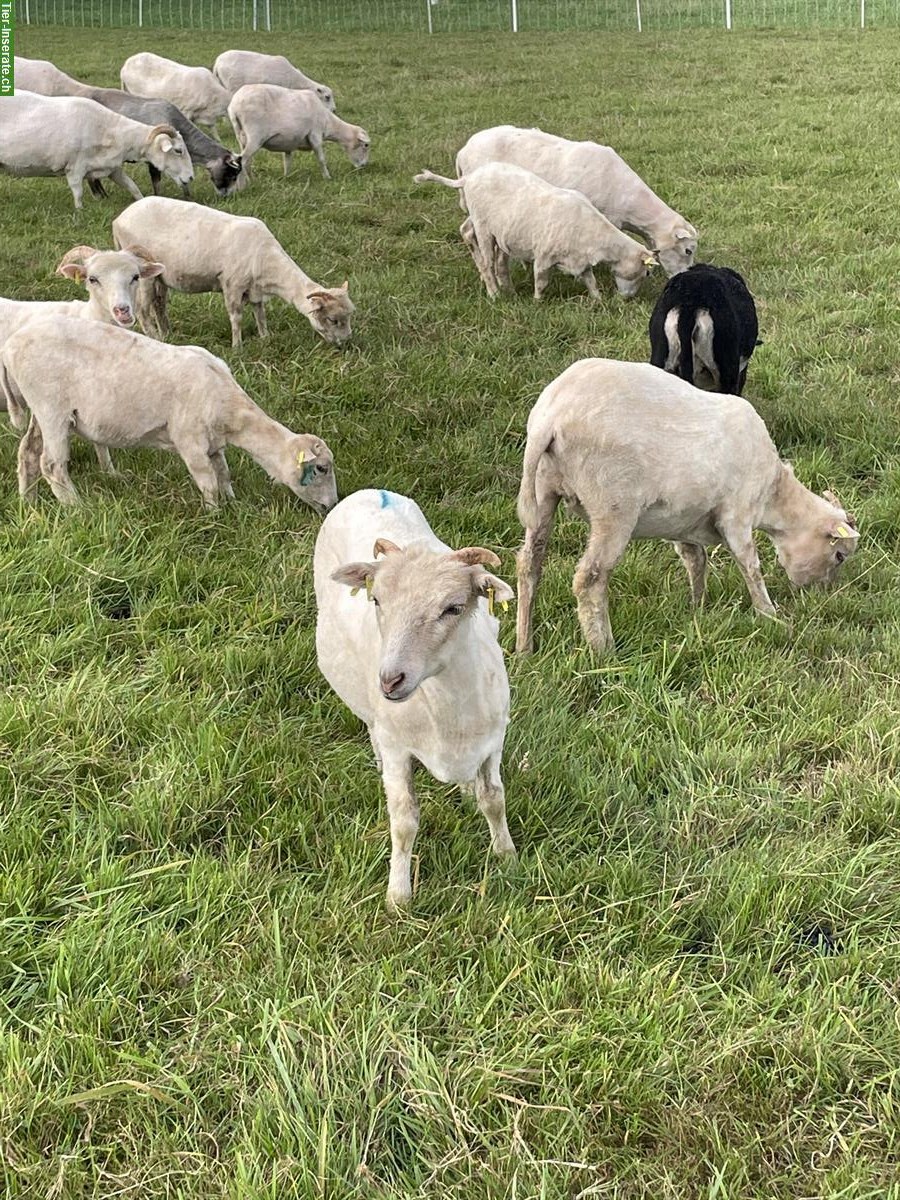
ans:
x=111 y=278
x=44 y=77
x=420 y=664
x=234 y=68
x=205 y=250
x=120 y=389
x=599 y=173
x=268 y=117
x=195 y=90
x=78 y=138
x=513 y=213
x=640 y=453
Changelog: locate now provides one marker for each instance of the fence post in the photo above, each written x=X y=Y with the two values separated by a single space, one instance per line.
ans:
x=428 y=12
x=515 y=16
x=254 y=15
x=268 y=16
x=637 y=5
x=140 y=14
x=27 y=13
x=862 y=14
x=728 y=13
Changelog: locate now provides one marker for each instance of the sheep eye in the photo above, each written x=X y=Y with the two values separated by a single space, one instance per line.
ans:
x=178 y=150
x=93 y=279
x=452 y=610
x=840 y=555
x=688 y=251
x=321 y=469
x=375 y=602
x=135 y=278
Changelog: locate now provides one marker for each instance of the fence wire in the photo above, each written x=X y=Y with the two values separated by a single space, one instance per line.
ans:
x=461 y=16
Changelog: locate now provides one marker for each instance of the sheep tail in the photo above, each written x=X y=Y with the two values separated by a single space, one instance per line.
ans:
x=430 y=177
x=536 y=447
x=14 y=399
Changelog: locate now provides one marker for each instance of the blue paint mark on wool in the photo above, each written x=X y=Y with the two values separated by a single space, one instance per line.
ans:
x=386 y=499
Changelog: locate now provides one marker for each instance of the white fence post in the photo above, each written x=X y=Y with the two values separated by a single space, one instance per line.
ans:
x=140 y=14
x=637 y=4
x=254 y=15
x=728 y=13
x=27 y=13
x=862 y=14
x=428 y=11
x=268 y=16
x=515 y=16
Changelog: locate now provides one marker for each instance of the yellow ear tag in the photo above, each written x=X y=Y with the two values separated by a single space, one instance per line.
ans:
x=490 y=600
x=369 y=582
x=843 y=532
x=354 y=591
x=301 y=458
x=504 y=604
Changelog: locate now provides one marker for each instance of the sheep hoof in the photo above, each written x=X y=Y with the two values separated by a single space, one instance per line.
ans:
x=397 y=902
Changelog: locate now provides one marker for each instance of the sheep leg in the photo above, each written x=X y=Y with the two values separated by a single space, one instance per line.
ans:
x=587 y=278
x=105 y=460
x=501 y=268
x=696 y=561
x=403 y=814
x=203 y=472
x=591 y=583
x=155 y=177
x=125 y=181
x=223 y=475
x=30 y=448
x=286 y=163
x=234 y=306
x=55 y=464
x=481 y=246
x=376 y=749
x=259 y=312
x=542 y=272
x=318 y=149
x=739 y=540
x=491 y=799
x=529 y=565
x=75 y=180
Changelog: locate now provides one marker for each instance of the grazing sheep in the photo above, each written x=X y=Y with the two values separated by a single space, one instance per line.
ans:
x=704 y=328
x=641 y=454
x=195 y=90
x=204 y=250
x=513 y=213
x=598 y=173
x=120 y=389
x=268 y=117
x=234 y=68
x=78 y=138
x=45 y=78
x=420 y=664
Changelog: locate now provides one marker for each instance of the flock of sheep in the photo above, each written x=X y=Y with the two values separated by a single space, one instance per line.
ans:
x=406 y=624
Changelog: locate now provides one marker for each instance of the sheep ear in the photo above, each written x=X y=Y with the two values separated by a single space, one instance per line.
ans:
x=473 y=555
x=72 y=271
x=842 y=529
x=150 y=269
x=165 y=143
x=384 y=546
x=832 y=499
x=483 y=581
x=683 y=234
x=354 y=575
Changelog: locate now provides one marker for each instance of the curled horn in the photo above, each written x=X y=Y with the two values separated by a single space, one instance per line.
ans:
x=78 y=254
x=476 y=554
x=832 y=499
x=384 y=546
x=169 y=130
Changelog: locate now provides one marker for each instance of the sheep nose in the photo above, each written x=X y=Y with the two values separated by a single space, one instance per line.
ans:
x=390 y=683
x=123 y=313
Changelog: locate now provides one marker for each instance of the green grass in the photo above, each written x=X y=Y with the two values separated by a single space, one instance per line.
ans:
x=687 y=987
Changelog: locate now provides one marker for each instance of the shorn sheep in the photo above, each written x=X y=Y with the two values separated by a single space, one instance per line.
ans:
x=234 y=68
x=409 y=643
x=641 y=454
x=120 y=389
x=205 y=250
x=704 y=328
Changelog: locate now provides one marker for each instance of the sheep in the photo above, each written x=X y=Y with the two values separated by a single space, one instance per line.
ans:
x=111 y=278
x=234 y=68
x=642 y=454
x=597 y=172
x=195 y=90
x=43 y=77
x=420 y=665
x=78 y=138
x=121 y=389
x=205 y=250
x=266 y=116
x=513 y=213
x=36 y=75
x=704 y=328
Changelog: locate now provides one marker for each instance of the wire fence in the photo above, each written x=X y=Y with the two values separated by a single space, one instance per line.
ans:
x=459 y=16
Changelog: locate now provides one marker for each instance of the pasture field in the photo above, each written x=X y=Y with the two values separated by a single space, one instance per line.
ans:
x=688 y=985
